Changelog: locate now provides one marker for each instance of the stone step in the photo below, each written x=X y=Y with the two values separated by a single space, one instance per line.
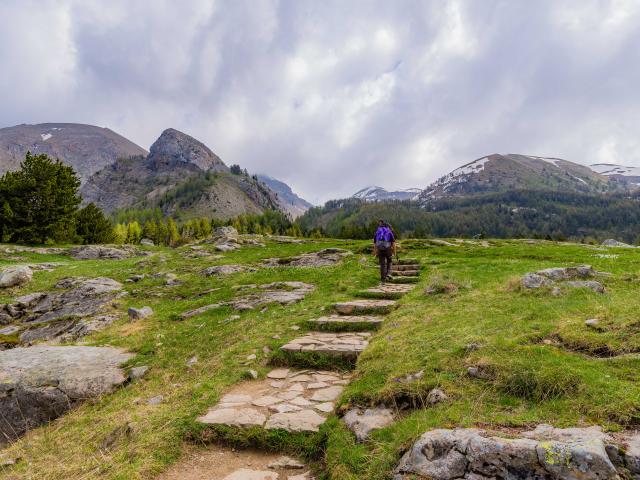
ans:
x=408 y=261
x=346 y=345
x=291 y=400
x=343 y=322
x=414 y=279
x=386 y=291
x=361 y=307
x=405 y=273
x=402 y=267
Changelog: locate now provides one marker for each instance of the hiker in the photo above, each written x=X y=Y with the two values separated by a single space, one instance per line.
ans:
x=384 y=244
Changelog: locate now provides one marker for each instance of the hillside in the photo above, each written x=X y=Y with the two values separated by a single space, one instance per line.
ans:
x=515 y=214
x=86 y=148
x=288 y=200
x=183 y=177
x=500 y=173
x=471 y=346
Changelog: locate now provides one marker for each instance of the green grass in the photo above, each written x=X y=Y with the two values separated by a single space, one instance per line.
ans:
x=542 y=363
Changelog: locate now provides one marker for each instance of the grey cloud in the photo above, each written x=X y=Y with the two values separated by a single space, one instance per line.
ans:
x=332 y=96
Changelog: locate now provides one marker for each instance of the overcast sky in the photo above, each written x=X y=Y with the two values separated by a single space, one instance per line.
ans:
x=332 y=96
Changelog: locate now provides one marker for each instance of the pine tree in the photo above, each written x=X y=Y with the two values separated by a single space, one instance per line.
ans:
x=43 y=198
x=173 y=237
x=92 y=226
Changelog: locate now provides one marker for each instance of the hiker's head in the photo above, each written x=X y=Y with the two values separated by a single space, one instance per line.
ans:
x=381 y=223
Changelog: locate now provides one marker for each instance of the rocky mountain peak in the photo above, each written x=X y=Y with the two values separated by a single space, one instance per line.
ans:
x=174 y=147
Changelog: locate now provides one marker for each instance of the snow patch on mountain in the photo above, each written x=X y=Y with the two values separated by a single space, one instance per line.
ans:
x=609 y=169
x=45 y=136
x=376 y=194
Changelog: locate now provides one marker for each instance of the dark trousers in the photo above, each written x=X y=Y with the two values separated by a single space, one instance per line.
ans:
x=385 y=256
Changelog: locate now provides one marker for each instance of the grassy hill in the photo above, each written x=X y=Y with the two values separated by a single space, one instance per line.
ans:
x=541 y=363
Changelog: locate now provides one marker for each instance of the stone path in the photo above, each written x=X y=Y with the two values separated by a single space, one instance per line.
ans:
x=292 y=400
x=300 y=401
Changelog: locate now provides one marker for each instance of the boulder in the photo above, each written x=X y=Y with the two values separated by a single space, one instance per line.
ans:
x=321 y=258
x=15 y=276
x=147 y=242
x=533 y=280
x=98 y=252
x=362 y=423
x=225 y=232
x=546 y=452
x=591 y=284
x=40 y=383
x=226 y=270
x=139 y=313
x=565 y=273
x=610 y=242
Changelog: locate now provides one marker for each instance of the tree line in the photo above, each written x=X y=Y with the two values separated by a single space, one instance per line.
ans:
x=546 y=214
x=40 y=203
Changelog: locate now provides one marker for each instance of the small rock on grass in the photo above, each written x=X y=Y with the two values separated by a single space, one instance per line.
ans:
x=592 y=322
x=251 y=357
x=285 y=462
x=436 y=396
x=252 y=373
x=139 y=313
x=137 y=373
x=192 y=361
x=157 y=400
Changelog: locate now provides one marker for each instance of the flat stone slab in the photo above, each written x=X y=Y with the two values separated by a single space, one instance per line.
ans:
x=292 y=400
x=387 y=291
x=344 y=320
x=408 y=266
x=348 y=345
x=408 y=261
x=405 y=273
x=355 y=307
x=396 y=279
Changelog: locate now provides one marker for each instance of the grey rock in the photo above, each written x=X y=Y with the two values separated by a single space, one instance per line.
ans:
x=478 y=372
x=362 y=423
x=610 y=242
x=533 y=280
x=40 y=383
x=225 y=232
x=139 y=313
x=252 y=374
x=99 y=252
x=565 y=273
x=147 y=242
x=302 y=421
x=592 y=322
x=436 y=396
x=157 y=400
x=226 y=270
x=322 y=258
x=286 y=462
x=15 y=276
x=590 y=284
x=546 y=452
x=137 y=373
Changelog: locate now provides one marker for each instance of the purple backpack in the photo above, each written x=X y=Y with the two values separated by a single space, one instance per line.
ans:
x=383 y=237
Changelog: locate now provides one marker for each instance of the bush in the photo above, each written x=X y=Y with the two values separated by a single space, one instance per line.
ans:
x=92 y=226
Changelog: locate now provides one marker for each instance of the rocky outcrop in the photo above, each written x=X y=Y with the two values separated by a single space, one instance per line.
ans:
x=38 y=384
x=322 y=258
x=226 y=270
x=15 y=276
x=546 y=452
x=81 y=306
x=100 y=252
x=572 y=277
x=283 y=293
x=174 y=147
x=610 y=242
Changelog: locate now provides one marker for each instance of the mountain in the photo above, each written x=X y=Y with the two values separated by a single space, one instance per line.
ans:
x=618 y=172
x=182 y=177
x=376 y=194
x=86 y=148
x=288 y=200
x=501 y=173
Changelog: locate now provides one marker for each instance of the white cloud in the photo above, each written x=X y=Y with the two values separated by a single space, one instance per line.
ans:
x=332 y=96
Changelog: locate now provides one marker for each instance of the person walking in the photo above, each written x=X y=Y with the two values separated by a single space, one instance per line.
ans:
x=383 y=246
